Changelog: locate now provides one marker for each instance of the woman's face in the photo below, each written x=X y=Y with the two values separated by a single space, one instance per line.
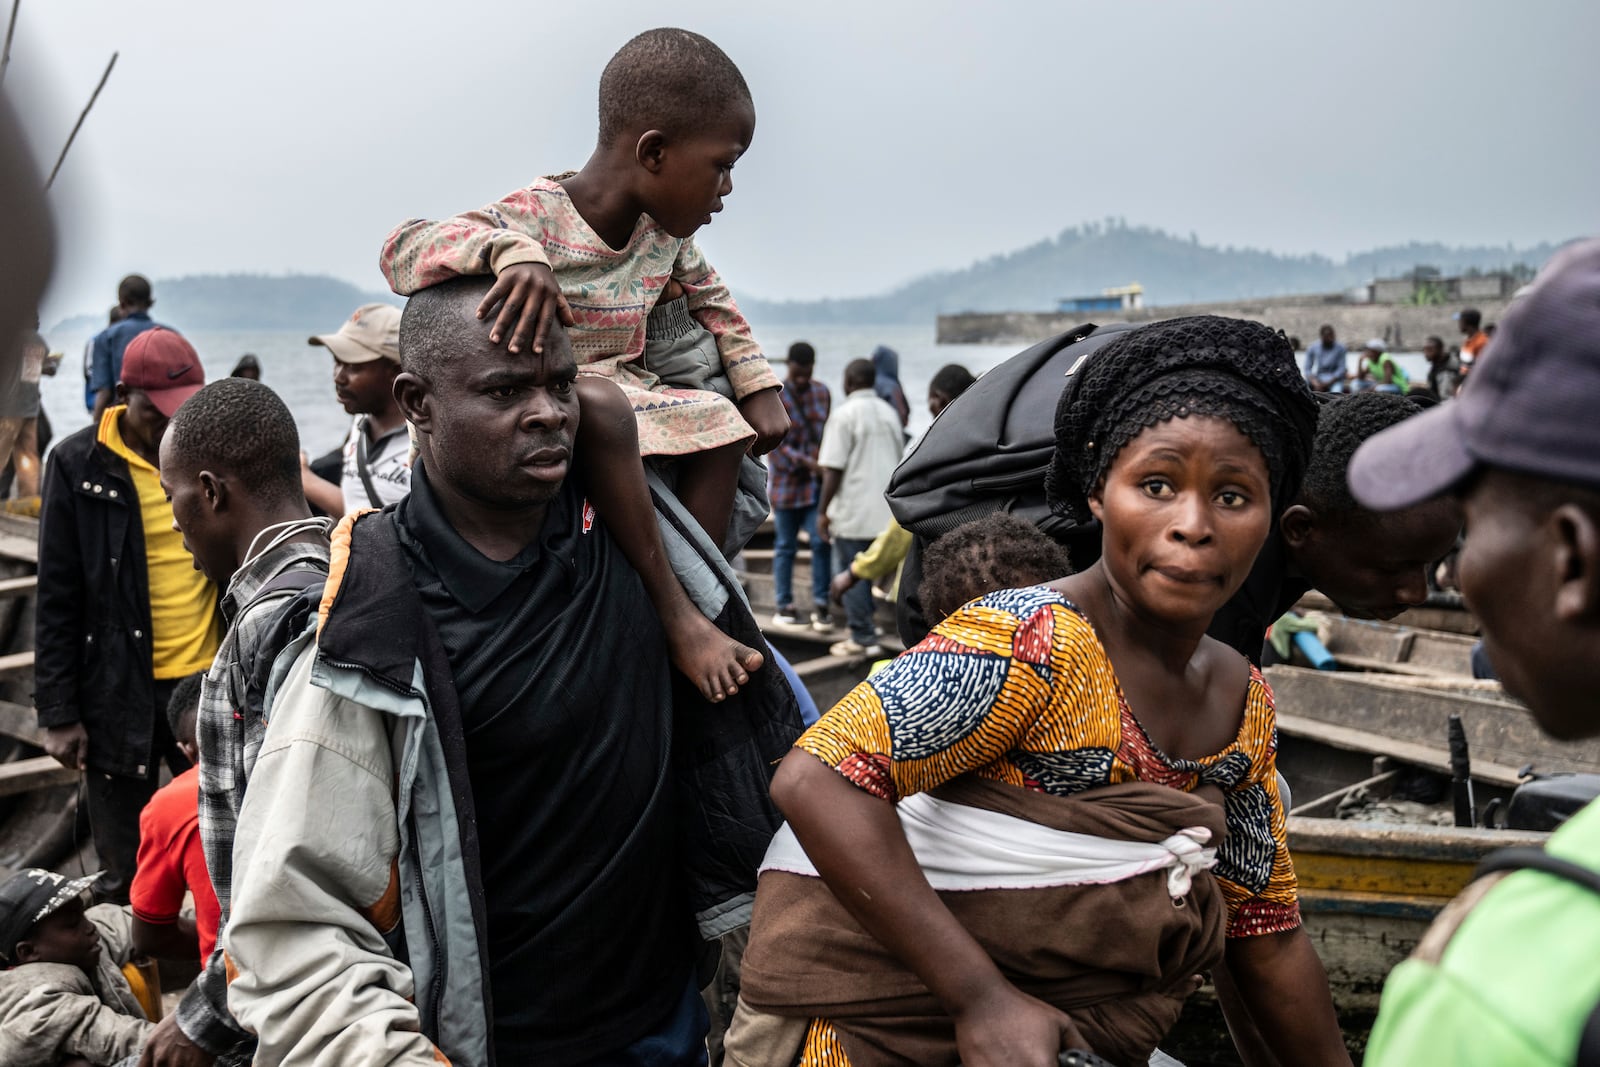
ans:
x=1185 y=509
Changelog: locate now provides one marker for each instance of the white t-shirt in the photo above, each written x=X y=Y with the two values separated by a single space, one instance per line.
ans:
x=388 y=467
x=864 y=439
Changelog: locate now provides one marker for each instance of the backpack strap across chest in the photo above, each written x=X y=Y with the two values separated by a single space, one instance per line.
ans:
x=299 y=591
x=1537 y=859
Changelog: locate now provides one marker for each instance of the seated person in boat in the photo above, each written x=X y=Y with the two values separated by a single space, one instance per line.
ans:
x=1507 y=972
x=1032 y=831
x=63 y=999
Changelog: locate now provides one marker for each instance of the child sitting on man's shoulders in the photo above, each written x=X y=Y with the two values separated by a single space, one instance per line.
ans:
x=597 y=249
x=63 y=999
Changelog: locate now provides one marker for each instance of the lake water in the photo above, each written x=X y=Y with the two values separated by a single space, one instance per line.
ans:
x=303 y=374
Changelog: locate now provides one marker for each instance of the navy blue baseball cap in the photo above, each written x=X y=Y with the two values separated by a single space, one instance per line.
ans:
x=1532 y=404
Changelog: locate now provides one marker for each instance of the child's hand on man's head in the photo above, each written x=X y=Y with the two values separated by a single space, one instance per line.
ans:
x=764 y=412
x=528 y=297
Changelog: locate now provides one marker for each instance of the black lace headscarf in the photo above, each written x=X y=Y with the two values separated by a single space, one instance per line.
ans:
x=1201 y=365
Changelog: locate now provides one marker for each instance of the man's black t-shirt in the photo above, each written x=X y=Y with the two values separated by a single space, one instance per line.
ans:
x=562 y=674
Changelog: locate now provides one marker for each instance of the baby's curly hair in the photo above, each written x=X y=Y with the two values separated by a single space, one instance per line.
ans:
x=999 y=551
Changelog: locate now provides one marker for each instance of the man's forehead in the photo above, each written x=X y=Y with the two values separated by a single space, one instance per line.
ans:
x=554 y=363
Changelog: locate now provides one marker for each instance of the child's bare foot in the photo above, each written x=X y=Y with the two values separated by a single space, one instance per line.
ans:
x=716 y=663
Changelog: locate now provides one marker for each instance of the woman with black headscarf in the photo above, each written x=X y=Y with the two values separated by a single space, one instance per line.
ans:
x=988 y=838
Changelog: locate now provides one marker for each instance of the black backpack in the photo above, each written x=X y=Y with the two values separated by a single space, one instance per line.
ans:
x=989 y=450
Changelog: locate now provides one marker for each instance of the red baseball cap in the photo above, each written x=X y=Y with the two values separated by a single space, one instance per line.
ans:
x=165 y=366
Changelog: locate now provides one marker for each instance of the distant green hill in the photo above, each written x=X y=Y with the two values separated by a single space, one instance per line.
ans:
x=251 y=302
x=1078 y=261
x=1084 y=259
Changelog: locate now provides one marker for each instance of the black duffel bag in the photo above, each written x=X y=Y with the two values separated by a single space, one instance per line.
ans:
x=989 y=451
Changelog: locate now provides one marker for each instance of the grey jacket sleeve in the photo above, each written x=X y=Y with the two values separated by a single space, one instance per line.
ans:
x=314 y=883
x=56 y=1013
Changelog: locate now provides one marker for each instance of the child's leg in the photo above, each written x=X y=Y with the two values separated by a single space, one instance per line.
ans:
x=607 y=453
x=707 y=482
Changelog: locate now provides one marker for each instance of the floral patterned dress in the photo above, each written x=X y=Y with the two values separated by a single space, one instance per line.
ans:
x=611 y=292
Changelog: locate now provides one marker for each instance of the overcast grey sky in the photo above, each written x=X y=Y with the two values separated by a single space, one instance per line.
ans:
x=892 y=138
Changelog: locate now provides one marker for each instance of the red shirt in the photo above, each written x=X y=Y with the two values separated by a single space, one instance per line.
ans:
x=171 y=861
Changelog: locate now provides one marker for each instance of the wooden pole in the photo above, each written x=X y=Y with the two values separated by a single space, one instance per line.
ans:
x=5 y=57
x=79 y=124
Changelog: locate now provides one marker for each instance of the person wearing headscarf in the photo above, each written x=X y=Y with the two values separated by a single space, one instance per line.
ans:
x=247 y=367
x=1197 y=365
x=886 y=381
x=1370 y=565
x=1010 y=841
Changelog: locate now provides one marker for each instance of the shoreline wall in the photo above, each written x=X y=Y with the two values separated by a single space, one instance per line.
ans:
x=1402 y=326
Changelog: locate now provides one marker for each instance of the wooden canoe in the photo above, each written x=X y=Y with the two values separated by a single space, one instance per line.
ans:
x=38 y=799
x=1359 y=644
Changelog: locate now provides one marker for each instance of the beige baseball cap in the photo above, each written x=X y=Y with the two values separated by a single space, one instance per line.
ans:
x=371 y=332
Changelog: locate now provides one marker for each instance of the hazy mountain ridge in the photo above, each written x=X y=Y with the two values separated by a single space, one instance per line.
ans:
x=1082 y=260
x=315 y=303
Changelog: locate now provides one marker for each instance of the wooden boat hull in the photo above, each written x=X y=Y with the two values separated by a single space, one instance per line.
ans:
x=38 y=802
x=1368 y=893
x=1379 y=646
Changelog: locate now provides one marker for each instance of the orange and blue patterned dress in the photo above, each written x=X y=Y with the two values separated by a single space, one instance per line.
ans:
x=1016 y=687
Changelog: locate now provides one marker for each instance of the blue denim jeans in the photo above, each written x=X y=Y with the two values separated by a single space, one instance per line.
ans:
x=787 y=524
x=679 y=1040
x=858 y=606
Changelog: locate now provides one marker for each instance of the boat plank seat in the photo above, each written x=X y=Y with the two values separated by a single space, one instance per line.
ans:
x=1428 y=757
x=26 y=775
x=1456 y=620
x=1500 y=731
x=1377 y=646
x=19 y=548
x=20 y=722
x=1373 y=663
x=16 y=662
x=23 y=586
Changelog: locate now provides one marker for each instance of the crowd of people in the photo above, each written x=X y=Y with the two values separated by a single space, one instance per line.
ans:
x=1328 y=370
x=479 y=756
x=828 y=479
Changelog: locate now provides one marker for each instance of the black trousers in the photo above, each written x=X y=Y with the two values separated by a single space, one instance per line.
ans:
x=115 y=801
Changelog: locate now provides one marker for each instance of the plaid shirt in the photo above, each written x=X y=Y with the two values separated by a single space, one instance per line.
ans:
x=225 y=761
x=792 y=484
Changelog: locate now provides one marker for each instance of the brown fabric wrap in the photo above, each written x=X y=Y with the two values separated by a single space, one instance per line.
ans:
x=1117 y=958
